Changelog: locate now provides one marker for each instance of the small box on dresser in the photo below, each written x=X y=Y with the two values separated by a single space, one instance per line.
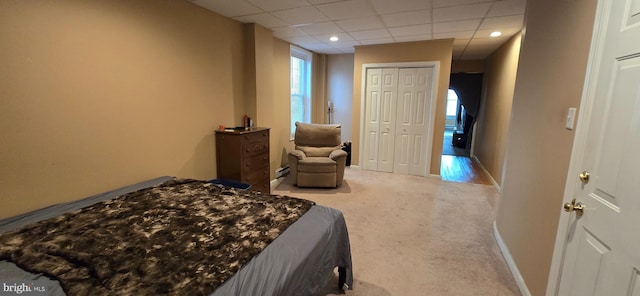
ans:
x=243 y=155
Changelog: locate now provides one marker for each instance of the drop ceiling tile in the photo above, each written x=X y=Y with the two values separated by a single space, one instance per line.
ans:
x=346 y=43
x=376 y=41
x=319 y=47
x=273 y=5
x=410 y=30
x=229 y=8
x=493 y=23
x=413 y=38
x=342 y=37
x=264 y=19
x=350 y=51
x=302 y=15
x=347 y=9
x=507 y=7
x=407 y=18
x=487 y=42
x=335 y=51
x=506 y=33
x=310 y=23
x=287 y=32
x=370 y=34
x=320 y=28
x=347 y=47
x=360 y=24
x=388 y=6
x=456 y=35
x=448 y=3
x=462 y=12
x=468 y=25
x=303 y=40
x=461 y=42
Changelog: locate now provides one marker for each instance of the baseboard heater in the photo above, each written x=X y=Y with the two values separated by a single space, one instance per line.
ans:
x=282 y=171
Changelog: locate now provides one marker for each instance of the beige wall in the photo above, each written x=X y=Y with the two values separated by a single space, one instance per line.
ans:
x=340 y=91
x=319 y=102
x=434 y=50
x=260 y=81
x=550 y=78
x=102 y=94
x=495 y=108
x=280 y=135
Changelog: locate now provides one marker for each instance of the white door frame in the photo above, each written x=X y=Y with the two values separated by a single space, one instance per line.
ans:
x=434 y=99
x=579 y=142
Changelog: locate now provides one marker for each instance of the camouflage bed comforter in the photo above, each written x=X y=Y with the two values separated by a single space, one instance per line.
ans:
x=183 y=237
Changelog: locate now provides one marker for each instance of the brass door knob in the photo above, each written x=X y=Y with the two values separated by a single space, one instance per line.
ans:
x=584 y=176
x=574 y=206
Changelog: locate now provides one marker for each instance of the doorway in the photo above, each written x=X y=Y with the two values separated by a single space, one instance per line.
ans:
x=454 y=122
x=463 y=100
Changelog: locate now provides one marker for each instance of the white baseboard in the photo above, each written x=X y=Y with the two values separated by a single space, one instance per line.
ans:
x=275 y=182
x=512 y=264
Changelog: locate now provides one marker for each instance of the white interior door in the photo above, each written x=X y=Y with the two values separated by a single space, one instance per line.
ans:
x=602 y=248
x=387 y=117
x=412 y=121
x=373 y=92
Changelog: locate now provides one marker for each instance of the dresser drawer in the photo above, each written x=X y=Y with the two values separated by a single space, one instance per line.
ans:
x=262 y=187
x=255 y=163
x=256 y=137
x=256 y=177
x=256 y=148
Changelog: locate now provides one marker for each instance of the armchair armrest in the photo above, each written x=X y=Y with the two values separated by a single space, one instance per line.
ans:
x=297 y=154
x=336 y=154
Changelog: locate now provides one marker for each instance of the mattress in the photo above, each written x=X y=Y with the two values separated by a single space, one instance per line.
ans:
x=298 y=262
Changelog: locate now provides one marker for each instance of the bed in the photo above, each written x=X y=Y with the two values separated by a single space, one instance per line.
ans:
x=300 y=258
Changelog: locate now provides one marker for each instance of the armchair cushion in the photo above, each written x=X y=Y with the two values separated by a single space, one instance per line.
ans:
x=317 y=165
x=317 y=151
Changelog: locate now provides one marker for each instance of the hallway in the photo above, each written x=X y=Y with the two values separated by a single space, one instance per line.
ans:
x=462 y=169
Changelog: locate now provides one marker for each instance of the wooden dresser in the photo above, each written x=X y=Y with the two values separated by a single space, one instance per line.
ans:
x=244 y=156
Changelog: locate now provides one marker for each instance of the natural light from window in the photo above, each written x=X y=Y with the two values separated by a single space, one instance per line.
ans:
x=300 y=87
x=452 y=103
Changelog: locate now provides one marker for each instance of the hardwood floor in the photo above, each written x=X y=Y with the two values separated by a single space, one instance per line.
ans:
x=462 y=169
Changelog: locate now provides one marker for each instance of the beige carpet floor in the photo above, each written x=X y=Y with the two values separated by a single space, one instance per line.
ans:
x=416 y=236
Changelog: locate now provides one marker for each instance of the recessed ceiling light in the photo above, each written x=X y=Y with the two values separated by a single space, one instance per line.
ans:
x=334 y=38
x=495 y=34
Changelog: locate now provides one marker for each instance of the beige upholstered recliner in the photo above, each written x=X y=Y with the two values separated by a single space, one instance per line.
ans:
x=318 y=160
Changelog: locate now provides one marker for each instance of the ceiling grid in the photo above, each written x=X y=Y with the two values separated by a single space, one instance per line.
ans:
x=310 y=23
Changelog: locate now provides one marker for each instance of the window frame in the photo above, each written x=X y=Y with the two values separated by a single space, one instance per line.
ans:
x=306 y=56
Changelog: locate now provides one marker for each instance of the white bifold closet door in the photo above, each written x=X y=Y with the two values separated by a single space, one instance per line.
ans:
x=397 y=110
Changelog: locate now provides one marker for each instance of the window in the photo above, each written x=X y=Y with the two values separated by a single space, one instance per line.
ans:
x=300 y=87
x=452 y=103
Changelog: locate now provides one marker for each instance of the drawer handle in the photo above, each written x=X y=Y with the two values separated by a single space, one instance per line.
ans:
x=256 y=148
